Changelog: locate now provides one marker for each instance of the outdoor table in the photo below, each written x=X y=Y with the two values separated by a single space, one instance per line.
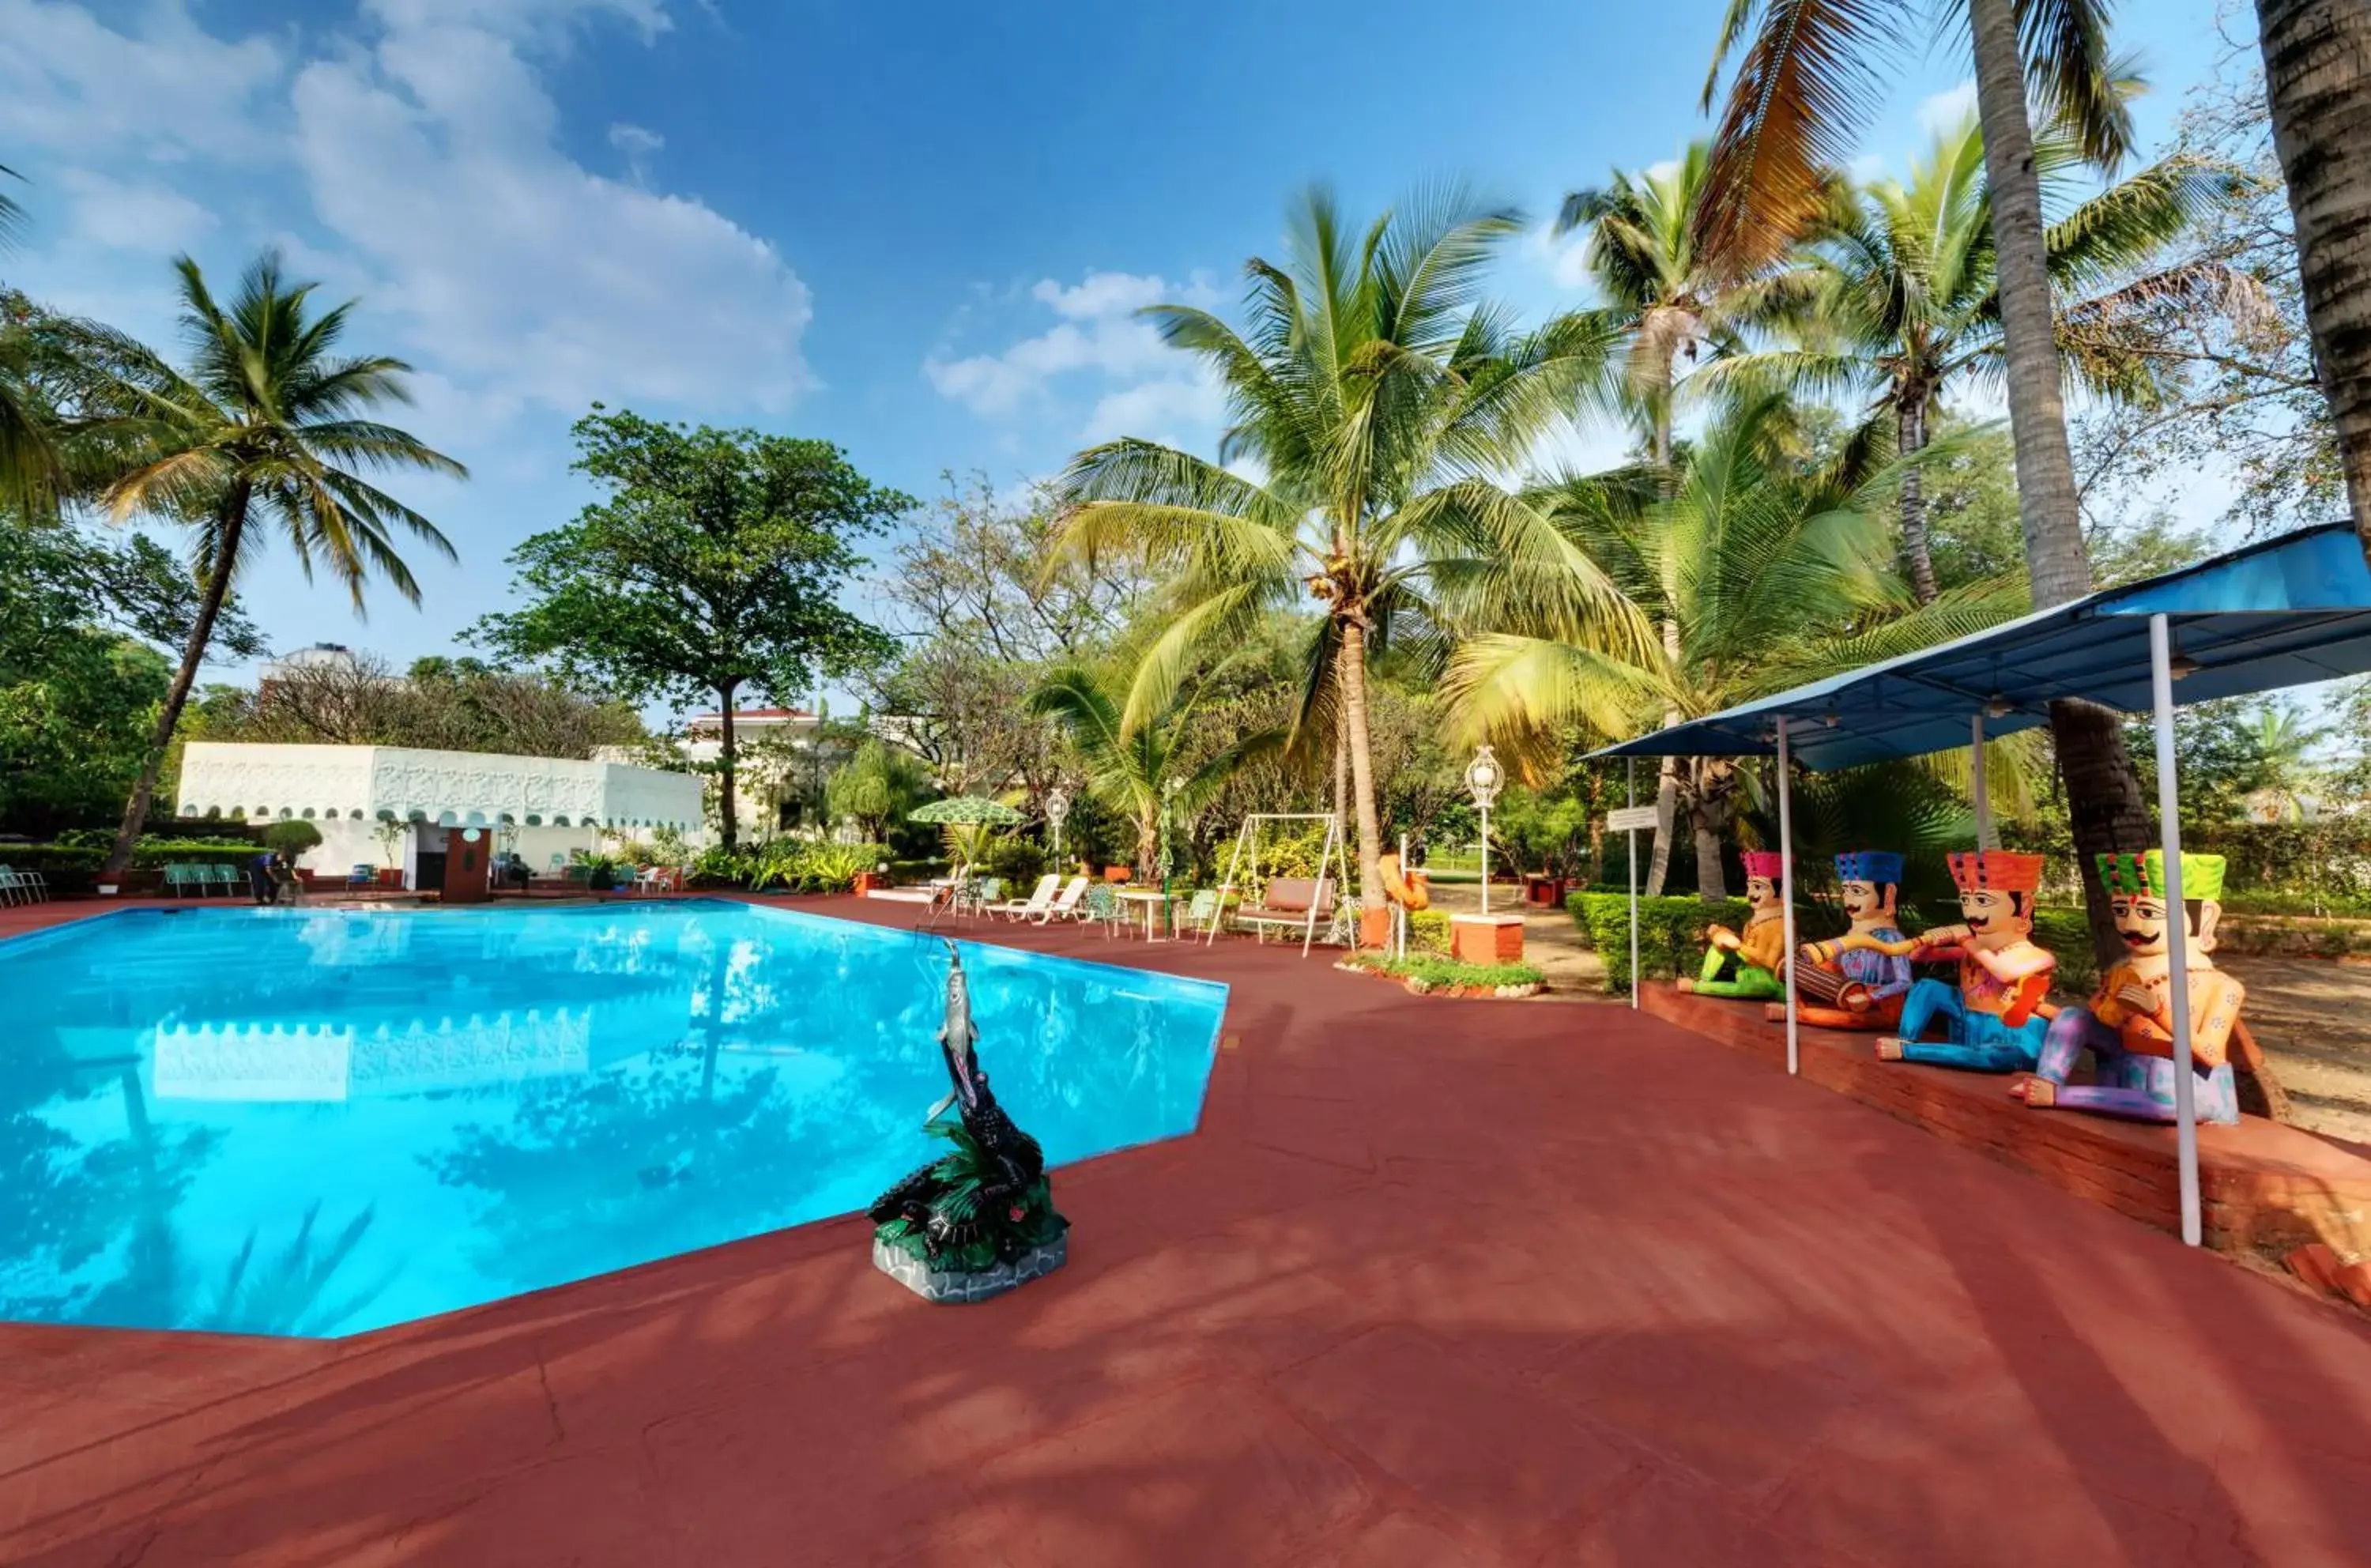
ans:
x=1154 y=899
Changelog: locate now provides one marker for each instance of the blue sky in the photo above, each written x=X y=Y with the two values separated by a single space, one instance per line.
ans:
x=916 y=230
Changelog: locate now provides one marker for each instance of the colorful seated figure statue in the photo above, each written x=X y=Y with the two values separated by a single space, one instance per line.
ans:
x=1746 y=966
x=1858 y=980
x=2128 y=1027
x=1990 y=1017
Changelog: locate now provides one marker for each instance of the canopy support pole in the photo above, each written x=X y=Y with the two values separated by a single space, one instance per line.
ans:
x=2176 y=947
x=1984 y=836
x=1787 y=896
x=1632 y=801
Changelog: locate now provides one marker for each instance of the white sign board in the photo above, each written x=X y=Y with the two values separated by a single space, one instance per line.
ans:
x=1631 y=819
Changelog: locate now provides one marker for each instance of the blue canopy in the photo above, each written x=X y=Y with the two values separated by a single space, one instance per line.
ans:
x=2281 y=613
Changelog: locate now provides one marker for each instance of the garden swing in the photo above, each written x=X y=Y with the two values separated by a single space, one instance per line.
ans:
x=1324 y=895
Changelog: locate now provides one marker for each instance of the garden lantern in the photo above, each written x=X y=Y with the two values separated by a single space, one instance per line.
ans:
x=1482 y=780
x=1058 y=806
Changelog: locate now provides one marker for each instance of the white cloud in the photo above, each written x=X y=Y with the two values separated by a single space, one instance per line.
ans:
x=419 y=164
x=639 y=146
x=1100 y=346
x=1938 y=113
x=168 y=90
x=1157 y=410
x=127 y=216
x=434 y=157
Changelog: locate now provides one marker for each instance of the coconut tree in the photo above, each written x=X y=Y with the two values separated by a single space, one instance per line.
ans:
x=1770 y=577
x=1144 y=769
x=265 y=430
x=2318 y=85
x=1377 y=397
x=1674 y=309
x=1805 y=87
x=1900 y=296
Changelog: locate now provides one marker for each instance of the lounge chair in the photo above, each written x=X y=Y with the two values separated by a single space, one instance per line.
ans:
x=1015 y=908
x=1287 y=905
x=22 y=887
x=1066 y=903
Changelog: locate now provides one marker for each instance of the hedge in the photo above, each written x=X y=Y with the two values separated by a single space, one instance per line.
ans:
x=1436 y=970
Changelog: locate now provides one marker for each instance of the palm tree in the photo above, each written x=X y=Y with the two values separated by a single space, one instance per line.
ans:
x=1379 y=398
x=1902 y=297
x=1141 y=769
x=264 y=427
x=1803 y=91
x=1770 y=577
x=1645 y=259
x=2318 y=85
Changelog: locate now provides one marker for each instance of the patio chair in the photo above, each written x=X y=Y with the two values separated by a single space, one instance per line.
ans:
x=22 y=887
x=177 y=880
x=1101 y=908
x=1198 y=910
x=230 y=879
x=979 y=895
x=1016 y=908
x=1066 y=903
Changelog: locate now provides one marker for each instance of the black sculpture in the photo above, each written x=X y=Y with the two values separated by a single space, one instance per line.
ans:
x=981 y=1219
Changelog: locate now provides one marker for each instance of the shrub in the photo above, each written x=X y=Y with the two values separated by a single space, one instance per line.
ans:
x=1671 y=931
x=152 y=852
x=1434 y=970
x=834 y=868
x=291 y=837
x=51 y=859
x=1429 y=930
x=1017 y=861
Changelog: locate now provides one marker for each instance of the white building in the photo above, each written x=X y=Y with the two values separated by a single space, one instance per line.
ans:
x=762 y=740
x=392 y=805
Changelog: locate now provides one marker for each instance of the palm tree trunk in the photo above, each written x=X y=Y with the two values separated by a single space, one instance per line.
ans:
x=177 y=697
x=1667 y=778
x=727 y=801
x=2318 y=85
x=1909 y=438
x=2103 y=793
x=1353 y=669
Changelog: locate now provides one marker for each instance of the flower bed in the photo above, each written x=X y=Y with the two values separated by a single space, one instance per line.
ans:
x=1429 y=974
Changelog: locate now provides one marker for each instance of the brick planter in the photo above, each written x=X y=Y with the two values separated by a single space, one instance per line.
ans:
x=940 y=1285
x=1487 y=938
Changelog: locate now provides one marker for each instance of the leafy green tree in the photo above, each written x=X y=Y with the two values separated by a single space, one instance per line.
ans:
x=1145 y=769
x=79 y=682
x=710 y=567
x=1902 y=303
x=880 y=784
x=1771 y=578
x=1376 y=394
x=266 y=426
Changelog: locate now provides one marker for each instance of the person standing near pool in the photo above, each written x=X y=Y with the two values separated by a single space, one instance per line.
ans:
x=260 y=880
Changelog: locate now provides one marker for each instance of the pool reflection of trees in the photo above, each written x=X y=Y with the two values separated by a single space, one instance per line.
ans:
x=777 y=1103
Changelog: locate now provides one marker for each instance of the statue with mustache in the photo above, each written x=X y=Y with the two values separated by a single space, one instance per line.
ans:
x=1746 y=964
x=2128 y=1025
x=1992 y=1020
x=1858 y=980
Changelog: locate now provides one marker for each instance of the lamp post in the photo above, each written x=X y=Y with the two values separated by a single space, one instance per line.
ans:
x=1483 y=777
x=1170 y=791
x=1058 y=806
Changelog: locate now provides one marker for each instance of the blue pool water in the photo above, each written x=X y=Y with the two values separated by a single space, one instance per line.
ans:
x=287 y=1121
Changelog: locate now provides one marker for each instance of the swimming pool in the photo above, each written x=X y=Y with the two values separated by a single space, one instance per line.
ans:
x=300 y=1123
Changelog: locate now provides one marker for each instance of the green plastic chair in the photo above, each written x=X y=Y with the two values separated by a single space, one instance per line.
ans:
x=1199 y=910
x=1102 y=907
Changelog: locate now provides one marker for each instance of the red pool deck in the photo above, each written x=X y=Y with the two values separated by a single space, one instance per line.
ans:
x=1437 y=1283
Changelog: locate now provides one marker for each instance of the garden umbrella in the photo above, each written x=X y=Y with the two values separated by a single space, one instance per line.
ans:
x=966 y=809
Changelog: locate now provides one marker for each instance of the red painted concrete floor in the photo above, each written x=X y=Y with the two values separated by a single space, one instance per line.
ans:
x=1437 y=1283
